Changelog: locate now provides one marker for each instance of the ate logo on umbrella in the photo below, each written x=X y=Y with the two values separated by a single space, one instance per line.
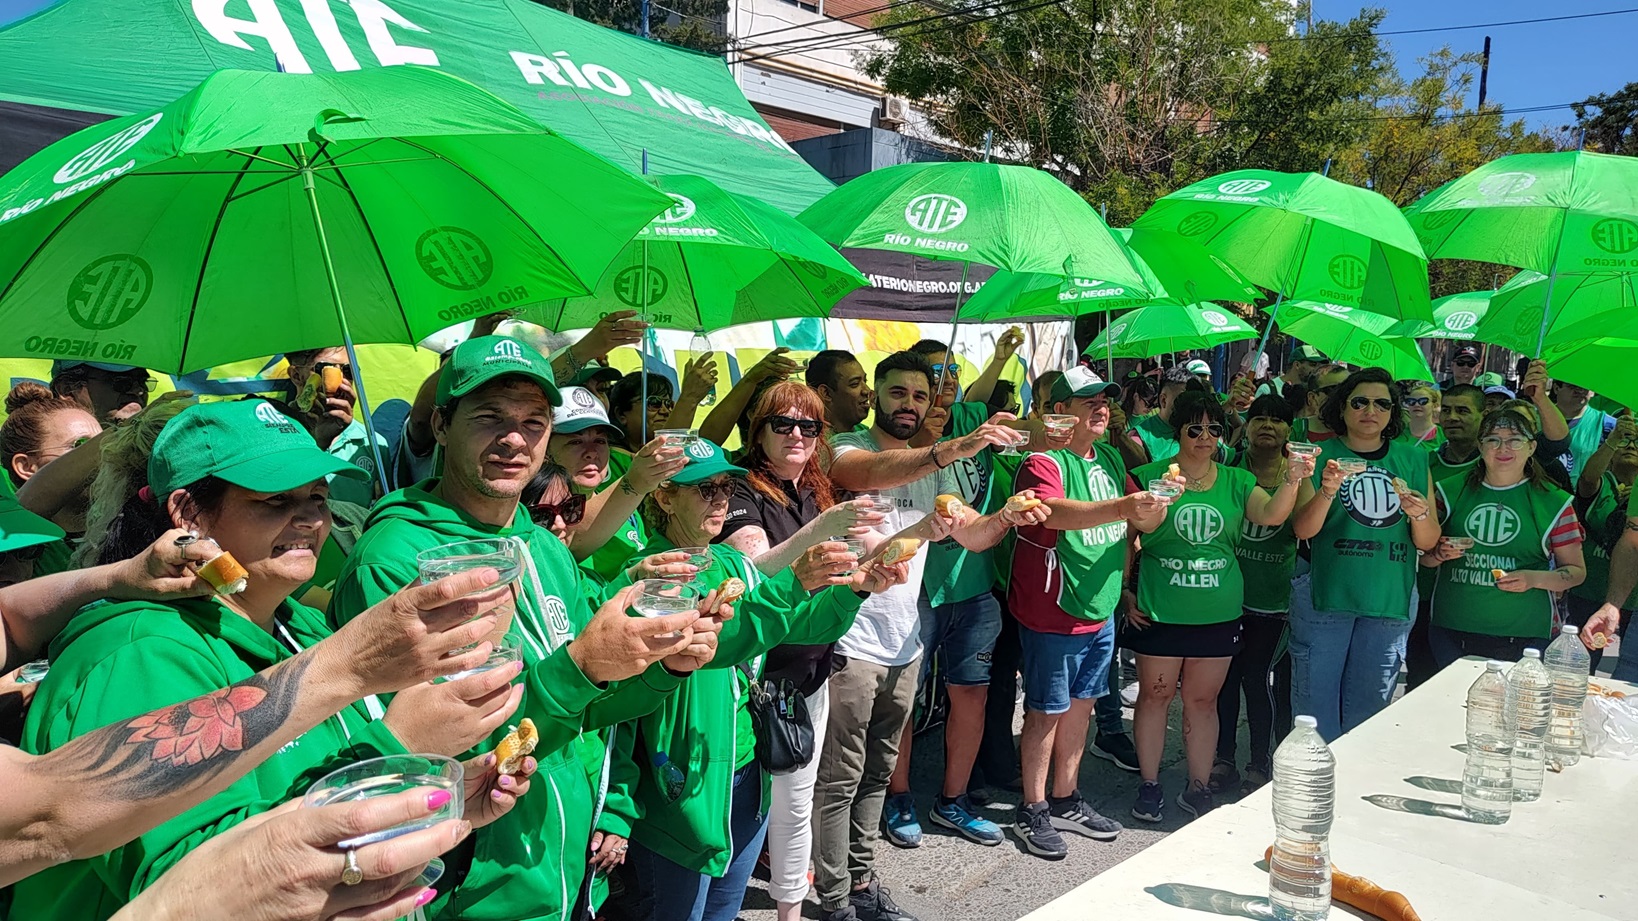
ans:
x=454 y=258
x=110 y=291
x=1615 y=235
x=628 y=286
x=1369 y=350
x=1461 y=320
x=105 y=151
x=1347 y=270
x=1506 y=185
x=1215 y=318
x=1243 y=186
x=1193 y=225
x=1492 y=525
x=935 y=213
x=682 y=208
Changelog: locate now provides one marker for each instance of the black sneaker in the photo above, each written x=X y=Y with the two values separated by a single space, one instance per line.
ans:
x=1196 y=801
x=1072 y=814
x=1034 y=828
x=845 y=913
x=1117 y=748
x=1151 y=803
x=872 y=903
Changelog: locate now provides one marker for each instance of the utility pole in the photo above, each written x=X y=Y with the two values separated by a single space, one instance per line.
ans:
x=644 y=23
x=1484 y=72
x=1310 y=29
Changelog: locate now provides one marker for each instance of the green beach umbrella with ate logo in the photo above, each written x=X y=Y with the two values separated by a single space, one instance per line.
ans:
x=1358 y=337
x=713 y=259
x=268 y=212
x=1161 y=328
x=1585 y=306
x=1573 y=212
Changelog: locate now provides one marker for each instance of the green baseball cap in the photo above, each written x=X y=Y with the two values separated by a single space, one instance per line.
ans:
x=1081 y=381
x=476 y=362
x=21 y=528
x=705 y=460
x=245 y=442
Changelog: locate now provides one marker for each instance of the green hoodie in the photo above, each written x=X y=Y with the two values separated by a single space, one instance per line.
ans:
x=702 y=734
x=529 y=865
x=117 y=661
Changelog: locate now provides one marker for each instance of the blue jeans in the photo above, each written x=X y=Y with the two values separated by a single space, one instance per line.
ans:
x=1343 y=667
x=672 y=892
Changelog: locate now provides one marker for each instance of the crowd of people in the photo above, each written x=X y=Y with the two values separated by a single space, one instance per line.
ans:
x=883 y=544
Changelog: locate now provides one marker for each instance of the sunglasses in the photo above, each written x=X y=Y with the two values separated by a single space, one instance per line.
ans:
x=24 y=554
x=782 y=425
x=661 y=403
x=1515 y=443
x=346 y=370
x=1358 y=403
x=711 y=492
x=948 y=369
x=1466 y=363
x=1416 y=401
x=1201 y=428
x=571 y=509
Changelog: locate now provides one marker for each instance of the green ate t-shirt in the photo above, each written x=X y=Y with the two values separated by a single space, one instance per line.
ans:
x=1189 y=572
x=1157 y=435
x=1510 y=528
x=955 y=573
x=1364 y=561
x=1268 y=560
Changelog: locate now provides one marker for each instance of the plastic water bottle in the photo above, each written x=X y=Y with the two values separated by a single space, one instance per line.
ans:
x=1530 y=694
x=1568 y=662
x=1487 y=781
x=698 y=348
x=670 y=775
x=1305 y=801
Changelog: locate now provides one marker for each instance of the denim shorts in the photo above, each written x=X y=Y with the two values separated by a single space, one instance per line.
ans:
x=963 y=634
x=1060 y=667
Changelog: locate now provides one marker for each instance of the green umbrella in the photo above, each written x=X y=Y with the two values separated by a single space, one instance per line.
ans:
x=1160 y=328
x=1454 y=317
x=713 y=259
x=1303 y=236
x=268 y=212
x=1556 y=213
x=1187 y=269
x=1602 y=365
x=1355 y=336
x=1584 y=306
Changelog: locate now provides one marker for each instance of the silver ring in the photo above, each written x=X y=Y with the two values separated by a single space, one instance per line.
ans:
x=351 y=875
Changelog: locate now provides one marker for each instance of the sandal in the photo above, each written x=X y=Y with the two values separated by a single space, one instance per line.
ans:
x=1255 y=779
x=1223 y=776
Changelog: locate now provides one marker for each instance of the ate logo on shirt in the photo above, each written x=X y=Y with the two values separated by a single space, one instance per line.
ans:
x=1197 y=524
x=557 y=615
x=1250 y=530
x=1492 y=525
x=1371 y=499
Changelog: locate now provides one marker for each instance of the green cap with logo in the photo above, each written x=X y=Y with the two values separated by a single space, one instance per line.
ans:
x=1081 y=381
x=476 y=362
x=245 y=442
x=705 y=460
x=21 y=528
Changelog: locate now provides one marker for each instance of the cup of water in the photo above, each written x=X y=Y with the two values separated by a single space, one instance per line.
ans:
x=698 y=557
x=664 y=597
x=499 y=553
x=1351 y=466
x=1463 y=544
x=506 y=653
x=677 y=438
x=1165 y=489
x=855 y=546
x=1019 y=439
x=385 y=776
x=1303 y=448
x=1059 y=424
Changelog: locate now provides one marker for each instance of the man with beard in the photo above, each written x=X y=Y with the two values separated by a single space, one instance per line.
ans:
x=872 y=691
x=493 y=418
x=843 y=387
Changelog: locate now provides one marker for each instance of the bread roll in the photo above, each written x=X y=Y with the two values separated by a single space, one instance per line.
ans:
x=332 y=379
x=948 y=506
x=731 y=590
x=900 y=549
x=1021 y=503
x=517 y=745
x=1174 y=471
x=224 y=574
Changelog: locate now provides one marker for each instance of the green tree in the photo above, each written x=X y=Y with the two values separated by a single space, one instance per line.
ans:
x=696 y=24
x=1613 y=128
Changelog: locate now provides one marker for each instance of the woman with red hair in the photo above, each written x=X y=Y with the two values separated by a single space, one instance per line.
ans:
x=784 y=505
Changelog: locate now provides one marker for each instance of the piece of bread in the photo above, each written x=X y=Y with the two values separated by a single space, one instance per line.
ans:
x=1497 y=573
x=1021 y=503
x=225 y=574
x=332 y=379
x=1598 y=641
x=948 y=506
x=900 y=549
x=1400 y=484
x=1174 y=471
x=731 y=590
x=517 y=745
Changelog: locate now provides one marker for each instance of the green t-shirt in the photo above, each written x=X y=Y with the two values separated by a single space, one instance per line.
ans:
x=1442 y=470
x=1431 y=443
x=1092 y=560
x=1364 y=561
x=1605 y=521
x=1006 y=473
x=1157 y=435
x=955 y=573
x=1189 y=572
x=1268 y=560
x=1510 y=528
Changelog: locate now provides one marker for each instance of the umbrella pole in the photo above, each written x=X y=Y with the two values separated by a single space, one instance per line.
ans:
x=341 y=316
x=643 y=355
x=1273 y=315
x=1108 y=342
x=949 y=347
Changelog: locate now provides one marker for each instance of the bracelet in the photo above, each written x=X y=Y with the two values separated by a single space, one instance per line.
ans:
x=1421 y=517
x=933 y=453
x=1329 y=496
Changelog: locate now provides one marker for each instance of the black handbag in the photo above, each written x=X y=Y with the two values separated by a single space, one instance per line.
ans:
x=784 y=730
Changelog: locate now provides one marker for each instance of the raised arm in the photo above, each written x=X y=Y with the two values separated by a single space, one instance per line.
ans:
x=1553 y=426
x=1006 y=346
x=1314 y=504
x=1271 y=510
x=860 y=470
x=608 y=510
x=614 y=330
x=719 y=424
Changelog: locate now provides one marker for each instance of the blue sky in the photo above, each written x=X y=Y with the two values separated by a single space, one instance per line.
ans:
x=1530 y=65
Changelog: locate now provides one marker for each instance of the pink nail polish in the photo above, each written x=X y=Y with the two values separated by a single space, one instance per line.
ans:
x=437 y=798
x=426 y=896
x=496 y=795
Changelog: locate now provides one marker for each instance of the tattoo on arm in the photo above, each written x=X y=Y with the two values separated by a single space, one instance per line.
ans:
x=627 y=488
x=185 y=745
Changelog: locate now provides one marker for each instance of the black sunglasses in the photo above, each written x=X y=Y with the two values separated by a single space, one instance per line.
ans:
x=346 y=370
x=711 y=492
x=1416 y=401
x=1358 y=403
x=1467 y=362
x=572 y=509
x=782 y=425
x=661 y=403
x=1197 y=429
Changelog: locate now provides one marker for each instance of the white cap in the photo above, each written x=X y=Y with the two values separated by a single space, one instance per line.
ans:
x=1532 y=653
x=1569 y=630
x=1308 y=721
x=580 y=410
x=1494 y=666
x=1197 y=366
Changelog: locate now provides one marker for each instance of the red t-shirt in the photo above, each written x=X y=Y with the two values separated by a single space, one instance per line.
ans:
x=1032 y=589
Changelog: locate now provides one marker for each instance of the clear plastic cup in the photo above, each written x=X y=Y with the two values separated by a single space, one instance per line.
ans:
x=506 y=652
x=677 y=438
x=1463 y=544
x=1165 y=489
x=34 y=672
x=1351 y=466
x=698 y=557
x=1059 y=424
x=385 y=776
x=1019 y=439
x=664 y=597
x=500 y=553
x=1304 y=448
x=883 y=505
x=855 y=546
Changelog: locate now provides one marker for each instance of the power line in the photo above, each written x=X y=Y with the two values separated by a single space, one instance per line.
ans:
x=867 y=12
x=843 y=40
x=1459 y=28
